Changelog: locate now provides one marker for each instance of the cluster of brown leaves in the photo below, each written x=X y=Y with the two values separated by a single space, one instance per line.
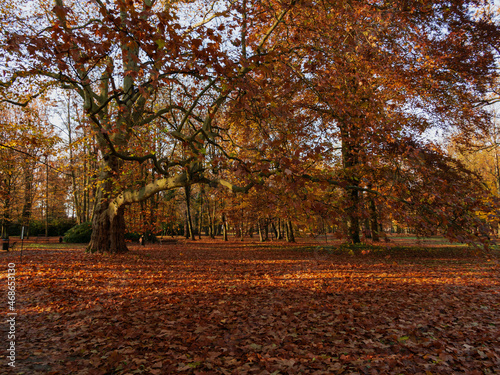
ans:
x=240 y=308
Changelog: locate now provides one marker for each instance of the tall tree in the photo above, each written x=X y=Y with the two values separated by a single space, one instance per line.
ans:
x=136 y=63
x=376 y=77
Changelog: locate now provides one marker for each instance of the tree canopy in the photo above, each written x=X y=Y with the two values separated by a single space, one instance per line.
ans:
x=333 y=101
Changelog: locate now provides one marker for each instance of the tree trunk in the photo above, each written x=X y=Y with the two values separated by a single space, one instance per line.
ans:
x=367 y=228
x=28 y=197
x=280 y=231
x=108 y=226
x=6 y=217
x=275 y=232
x=350 y=162
x=224 y=227
x=210 y=221
x=214 y=222
x=259 y=226
x=46 y=197
x=374 y=221
x=108 y=231
x=200 y=214
x=74 y=187
x=290 y=237
x=190 y=233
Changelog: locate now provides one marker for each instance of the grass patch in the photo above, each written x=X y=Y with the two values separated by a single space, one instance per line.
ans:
x=362 y=250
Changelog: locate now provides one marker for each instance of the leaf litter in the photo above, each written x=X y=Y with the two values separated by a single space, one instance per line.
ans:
x=208 y=307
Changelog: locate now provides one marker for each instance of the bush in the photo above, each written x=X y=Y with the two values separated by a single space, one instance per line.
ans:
x=132 y=236
x=79 y=233
x=56 y=227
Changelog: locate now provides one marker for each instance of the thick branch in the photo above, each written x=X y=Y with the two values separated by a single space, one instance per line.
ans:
x=130 y=196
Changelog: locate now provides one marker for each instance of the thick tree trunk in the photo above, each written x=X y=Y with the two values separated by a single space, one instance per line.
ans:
x=108 y=225
x=108 y=231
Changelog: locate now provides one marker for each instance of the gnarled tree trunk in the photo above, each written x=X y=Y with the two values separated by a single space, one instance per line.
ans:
x=108 y=222
x=108 y=230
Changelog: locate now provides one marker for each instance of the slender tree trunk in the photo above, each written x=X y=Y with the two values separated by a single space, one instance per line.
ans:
x=210 y=221
x=153 y=214
x=6 y=208
x=190 y=234
x=374 y=226
x=261 y=234
x=74 y=187
x=354 y=234
x=224 y=227
x=214 y=223
x=46 y=197
x=28 y=197
x=280 y=231
x=86 y=194
x=273 y=228
x=290 y=237
x=350 y=162
x=367 y=228
x=200 y=220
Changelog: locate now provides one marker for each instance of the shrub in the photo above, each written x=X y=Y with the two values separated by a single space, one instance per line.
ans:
x=79 y=233
x=132 y=236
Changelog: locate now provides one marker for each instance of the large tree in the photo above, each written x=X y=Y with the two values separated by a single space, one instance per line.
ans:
x=137 y=64
x=378 y=80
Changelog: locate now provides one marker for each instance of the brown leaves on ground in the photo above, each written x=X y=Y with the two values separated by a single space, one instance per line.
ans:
x=240 y=308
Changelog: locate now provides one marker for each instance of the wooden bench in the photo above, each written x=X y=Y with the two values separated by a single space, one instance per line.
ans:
x=168 y=240
x=40 y=238
x=6 y=245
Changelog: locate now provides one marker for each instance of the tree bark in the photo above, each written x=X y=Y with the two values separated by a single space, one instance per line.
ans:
x=28 y=196
x=108 y=222
x=224 y=227
x=107 y=231
x=290 y=237
x=275 y=232
x=350 y=162
x=190 y=234
x=374 y=221
x=259 y=226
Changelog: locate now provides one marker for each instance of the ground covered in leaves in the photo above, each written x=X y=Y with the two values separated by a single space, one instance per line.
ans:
x=209 y=307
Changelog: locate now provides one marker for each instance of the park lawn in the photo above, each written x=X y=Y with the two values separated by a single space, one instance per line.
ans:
x=209 y=307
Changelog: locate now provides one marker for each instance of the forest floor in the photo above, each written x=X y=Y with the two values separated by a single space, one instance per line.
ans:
x=209 y=307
